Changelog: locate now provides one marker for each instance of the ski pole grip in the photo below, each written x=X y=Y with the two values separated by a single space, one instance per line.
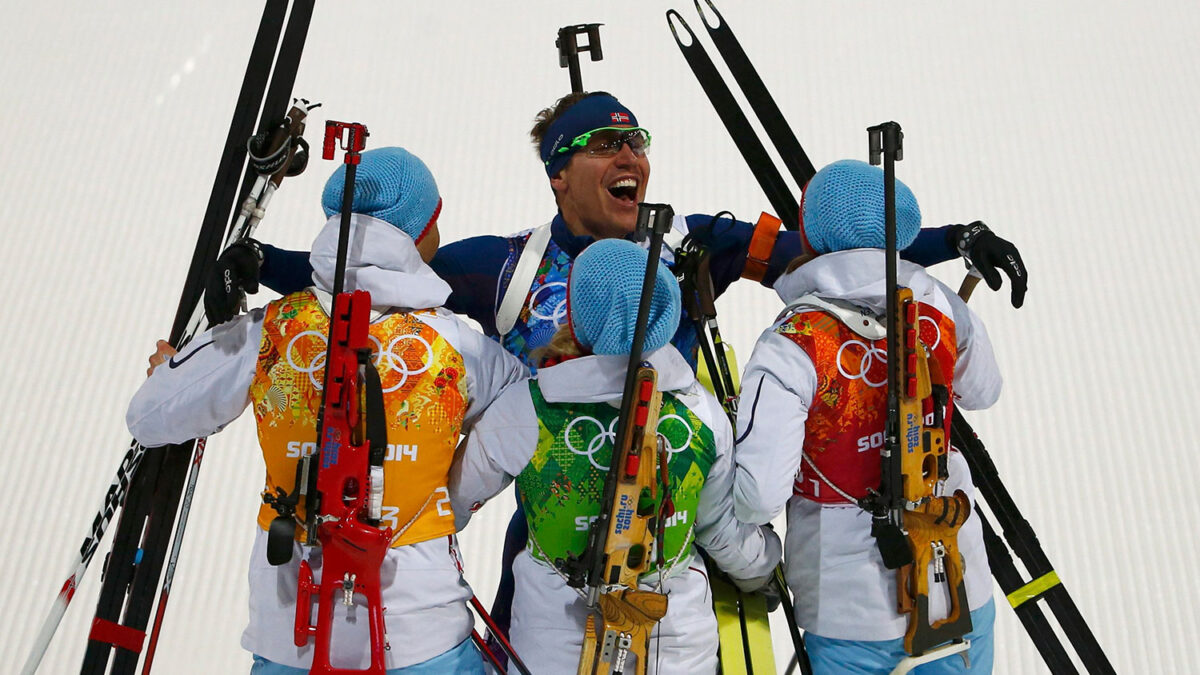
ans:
x=350 y=136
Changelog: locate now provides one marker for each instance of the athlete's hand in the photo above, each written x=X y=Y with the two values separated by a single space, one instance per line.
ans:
x=163 y=351
x=991 y=255
x=233 y=276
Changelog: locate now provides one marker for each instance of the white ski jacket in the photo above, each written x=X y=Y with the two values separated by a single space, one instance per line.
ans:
x=834 y=569
x=547 y=615
x=206 y=386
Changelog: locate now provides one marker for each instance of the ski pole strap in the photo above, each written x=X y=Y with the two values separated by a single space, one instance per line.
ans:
x=1034 y=589
x=762 y=243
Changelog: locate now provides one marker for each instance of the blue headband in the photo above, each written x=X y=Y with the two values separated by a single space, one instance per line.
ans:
x=592 y=112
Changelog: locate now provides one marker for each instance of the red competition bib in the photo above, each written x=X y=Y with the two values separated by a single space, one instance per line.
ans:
x=844 y=431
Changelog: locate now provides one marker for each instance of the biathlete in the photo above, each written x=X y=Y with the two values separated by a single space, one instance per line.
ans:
x=437 y=376
x=811 y=421
x=555 y=437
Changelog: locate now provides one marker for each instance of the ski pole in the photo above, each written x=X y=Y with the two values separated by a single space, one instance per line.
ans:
x=113 y=498
x=499 y=635
x=136 y=559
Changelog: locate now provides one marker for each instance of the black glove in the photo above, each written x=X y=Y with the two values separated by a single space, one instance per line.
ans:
x=990 y=255
x=233 y=276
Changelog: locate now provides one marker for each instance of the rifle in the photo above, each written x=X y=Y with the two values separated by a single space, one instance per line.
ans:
x=621 y=538
x=344 y=509
x=914 y=527
x=568 y=49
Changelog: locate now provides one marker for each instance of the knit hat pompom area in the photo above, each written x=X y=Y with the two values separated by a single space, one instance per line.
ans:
x=603 y=292
x=390 y=184
x=843 y=208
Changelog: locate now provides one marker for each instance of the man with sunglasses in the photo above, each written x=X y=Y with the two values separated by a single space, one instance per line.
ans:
x=594 y=154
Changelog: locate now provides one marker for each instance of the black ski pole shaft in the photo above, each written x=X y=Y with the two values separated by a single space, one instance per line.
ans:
x=761 y=102
x=736 y=123
x=569 y=48
x=164 y=593
x=789 y=612
x=487 y=652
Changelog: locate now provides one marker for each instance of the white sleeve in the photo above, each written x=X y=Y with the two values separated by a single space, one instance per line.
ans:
x=742 y=550
x=777 y=388
x=202 y=388
x=489 y=370
x=498 y=448
x=977 y=379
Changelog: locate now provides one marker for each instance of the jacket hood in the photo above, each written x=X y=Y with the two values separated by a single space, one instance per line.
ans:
x=600 y=378
x=854 y=275
x=381 y=260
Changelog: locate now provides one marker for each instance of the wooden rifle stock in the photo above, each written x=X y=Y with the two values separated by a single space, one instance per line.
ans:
x=628 y=615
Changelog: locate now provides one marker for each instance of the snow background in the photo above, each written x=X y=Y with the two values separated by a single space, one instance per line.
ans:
x=1069 y=127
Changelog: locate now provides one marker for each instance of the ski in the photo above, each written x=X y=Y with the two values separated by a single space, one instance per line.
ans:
x=1044 y=583
x=736 y=123
x=149 y=482
x=795 y=160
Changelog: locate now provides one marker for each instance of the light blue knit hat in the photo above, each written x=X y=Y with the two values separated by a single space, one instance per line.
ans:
x=603 y=291
x=843 y=208
x=391 y=184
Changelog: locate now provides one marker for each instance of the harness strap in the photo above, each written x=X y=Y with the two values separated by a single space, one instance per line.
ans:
x=522 y=279
x=531 y=259
x=858 y=320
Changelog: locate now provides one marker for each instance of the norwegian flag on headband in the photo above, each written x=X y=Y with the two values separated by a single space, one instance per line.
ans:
x=619 y=117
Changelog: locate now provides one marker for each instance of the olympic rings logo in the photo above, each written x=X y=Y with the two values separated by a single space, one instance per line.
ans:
x=871 y=355
x=608 y=435
x=559 y=313
x=396 y=362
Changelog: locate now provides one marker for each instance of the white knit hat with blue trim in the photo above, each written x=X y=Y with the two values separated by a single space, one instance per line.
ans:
x=843 y=208
x=603 y=292
x=390 y=184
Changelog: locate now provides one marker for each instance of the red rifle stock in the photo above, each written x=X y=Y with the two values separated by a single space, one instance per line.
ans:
x=345 y=517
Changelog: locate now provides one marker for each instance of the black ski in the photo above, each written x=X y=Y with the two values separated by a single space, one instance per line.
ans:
x=144 y=530
x=1017 y=531
x=765 y=109
x=737 y=124
x=1023 y=541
